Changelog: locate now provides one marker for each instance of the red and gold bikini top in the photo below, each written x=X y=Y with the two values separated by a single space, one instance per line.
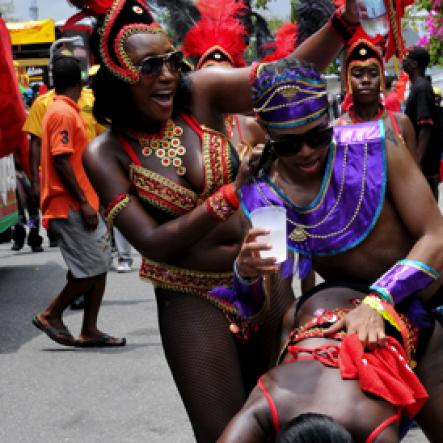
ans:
x=171 y=197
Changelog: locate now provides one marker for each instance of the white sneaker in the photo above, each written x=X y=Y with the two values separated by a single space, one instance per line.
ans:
x=124 y=266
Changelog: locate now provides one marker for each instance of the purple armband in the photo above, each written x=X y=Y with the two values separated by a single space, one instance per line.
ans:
x=401 y=282
x=247 y=295
x=404 y=279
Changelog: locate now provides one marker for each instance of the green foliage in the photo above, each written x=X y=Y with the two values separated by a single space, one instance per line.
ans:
x=433 y=38
x=261 y=3
x=333 y=68
x=423 y=4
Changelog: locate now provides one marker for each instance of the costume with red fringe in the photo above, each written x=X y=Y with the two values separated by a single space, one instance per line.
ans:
x=218 y=37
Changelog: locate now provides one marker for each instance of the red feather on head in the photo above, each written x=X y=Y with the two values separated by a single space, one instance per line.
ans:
x=360 y=34
x=218 y=29
x=395 y=11
x=284 y=44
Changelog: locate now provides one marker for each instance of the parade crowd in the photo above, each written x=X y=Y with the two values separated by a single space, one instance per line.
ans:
x=172 y=147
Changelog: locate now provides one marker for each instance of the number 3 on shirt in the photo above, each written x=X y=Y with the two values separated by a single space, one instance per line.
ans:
x=65 y=136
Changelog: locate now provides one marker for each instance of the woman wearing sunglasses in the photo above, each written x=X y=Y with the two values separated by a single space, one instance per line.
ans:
x=358 y=210
x=168 y=178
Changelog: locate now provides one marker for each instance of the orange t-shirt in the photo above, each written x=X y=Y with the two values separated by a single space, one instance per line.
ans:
x=63 y=132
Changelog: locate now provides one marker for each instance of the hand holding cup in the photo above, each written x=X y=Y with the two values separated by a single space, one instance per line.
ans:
x=249 y=262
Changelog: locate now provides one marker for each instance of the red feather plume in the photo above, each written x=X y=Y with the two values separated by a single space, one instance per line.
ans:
x=218 y=26
x=284 y=44
x=361 y=34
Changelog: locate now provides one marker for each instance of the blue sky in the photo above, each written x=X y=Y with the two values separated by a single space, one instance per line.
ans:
x=60 y=9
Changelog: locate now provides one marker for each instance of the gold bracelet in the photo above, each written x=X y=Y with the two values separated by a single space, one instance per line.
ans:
x=116 y=206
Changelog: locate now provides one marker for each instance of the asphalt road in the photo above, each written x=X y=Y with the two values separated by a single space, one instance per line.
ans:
x=53 y=394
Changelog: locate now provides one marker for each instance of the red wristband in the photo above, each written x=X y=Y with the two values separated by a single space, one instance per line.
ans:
x=343 y=29
x=221 y=206
x=230 y=195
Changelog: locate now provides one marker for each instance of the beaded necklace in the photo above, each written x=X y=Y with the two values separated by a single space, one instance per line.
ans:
x=300 y=232
x=166 y=145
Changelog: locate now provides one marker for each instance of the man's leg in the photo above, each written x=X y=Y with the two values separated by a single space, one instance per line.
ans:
x=90 y=335
x=35 y=240
x=19 y=230
x=50 y=320
x=79 y=303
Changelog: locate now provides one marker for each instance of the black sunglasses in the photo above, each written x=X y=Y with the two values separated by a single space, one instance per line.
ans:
x=153 y=65
x=317 y=137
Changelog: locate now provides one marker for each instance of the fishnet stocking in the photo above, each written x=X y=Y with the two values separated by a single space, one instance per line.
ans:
x=213 y=372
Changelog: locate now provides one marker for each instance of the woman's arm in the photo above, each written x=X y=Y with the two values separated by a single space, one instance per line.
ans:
x=228 y=90
x=416 y=206
x=160 y=242
x=418 y=211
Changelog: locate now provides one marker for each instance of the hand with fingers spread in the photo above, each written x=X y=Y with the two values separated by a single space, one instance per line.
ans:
x=249 y=264
x=364 y=321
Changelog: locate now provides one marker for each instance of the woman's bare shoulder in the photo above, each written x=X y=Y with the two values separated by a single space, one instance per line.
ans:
x=104 y=152
x=104 y=144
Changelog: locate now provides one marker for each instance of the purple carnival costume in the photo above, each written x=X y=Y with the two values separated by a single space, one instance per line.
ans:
x=352 y=193
x=350 y=199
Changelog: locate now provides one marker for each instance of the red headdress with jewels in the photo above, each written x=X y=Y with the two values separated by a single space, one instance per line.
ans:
x=116 y=21
x=395 y=11
x=218 y=36
x=363 y=50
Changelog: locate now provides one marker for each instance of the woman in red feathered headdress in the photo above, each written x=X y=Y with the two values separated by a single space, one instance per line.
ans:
x=169 y=180
x=364 y=80
x=219 y=38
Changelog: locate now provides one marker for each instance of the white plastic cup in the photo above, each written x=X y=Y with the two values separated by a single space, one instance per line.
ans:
x=272 y=218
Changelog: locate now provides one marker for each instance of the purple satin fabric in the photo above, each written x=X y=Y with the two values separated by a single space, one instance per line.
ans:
x=355 y=137
x=307 y=102
x=401 y=281
x=248 y=299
